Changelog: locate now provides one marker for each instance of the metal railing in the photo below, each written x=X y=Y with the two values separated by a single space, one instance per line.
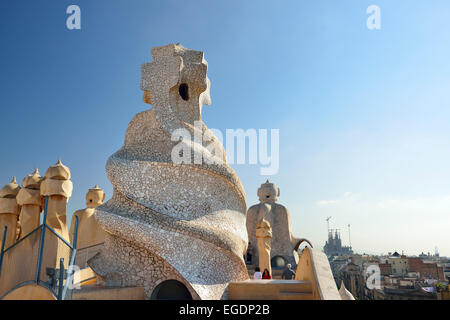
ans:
x=86 y=253
x=16 y=261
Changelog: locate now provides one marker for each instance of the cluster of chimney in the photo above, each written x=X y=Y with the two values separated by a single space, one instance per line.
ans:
x=21 y=207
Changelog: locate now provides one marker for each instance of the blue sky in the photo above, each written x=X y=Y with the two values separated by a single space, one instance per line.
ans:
x=363 y=114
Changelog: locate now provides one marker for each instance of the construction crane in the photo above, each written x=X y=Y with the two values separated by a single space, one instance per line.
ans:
x=349 y=239
x=328 y=224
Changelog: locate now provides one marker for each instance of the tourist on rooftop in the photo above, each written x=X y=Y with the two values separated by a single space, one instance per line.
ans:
x=257 y=275
x=288 y=273
x=249 y=253
x=266 y=275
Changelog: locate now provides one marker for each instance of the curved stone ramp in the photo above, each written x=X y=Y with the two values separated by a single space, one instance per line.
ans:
x=30 y=292
x=313 y=266
x=345 y=294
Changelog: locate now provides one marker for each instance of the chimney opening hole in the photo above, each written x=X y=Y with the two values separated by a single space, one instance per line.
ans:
x=183 y=90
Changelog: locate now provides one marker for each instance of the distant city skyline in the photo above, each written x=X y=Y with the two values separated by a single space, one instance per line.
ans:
x=363 y=114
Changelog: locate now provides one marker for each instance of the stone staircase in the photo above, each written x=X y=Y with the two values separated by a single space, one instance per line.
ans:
x=275 y=289
x=271 y=290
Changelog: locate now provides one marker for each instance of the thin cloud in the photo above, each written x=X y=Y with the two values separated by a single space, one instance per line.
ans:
x=326 y=202
x=347 y=196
